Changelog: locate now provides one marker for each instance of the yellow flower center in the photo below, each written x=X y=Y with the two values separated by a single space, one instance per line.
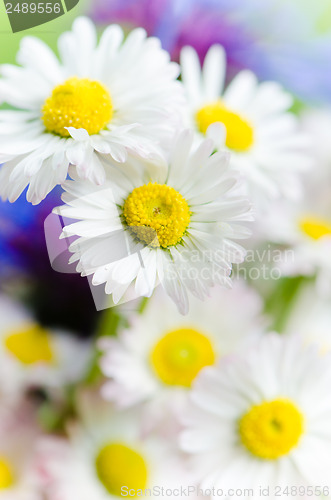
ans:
x=271 y=429
x=157 y=214
x=239 y=133
x=79 y=103
x=315 y=228
x=117 y=466
x=179 y=356
x=30 y=345
x=6 y=474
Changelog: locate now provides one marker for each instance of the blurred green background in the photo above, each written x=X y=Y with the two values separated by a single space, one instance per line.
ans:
x=9 y=42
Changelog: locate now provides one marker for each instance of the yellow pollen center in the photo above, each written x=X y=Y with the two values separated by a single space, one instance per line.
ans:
x=30 y=345
x=315 y=228
x=239 y=133
x=6 y=474
x=117 y=466
x=271 y=429
x=179 y=356
x=157 y=214
x=78 y=103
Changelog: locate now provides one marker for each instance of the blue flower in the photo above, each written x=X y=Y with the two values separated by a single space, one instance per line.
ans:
x=57 y=300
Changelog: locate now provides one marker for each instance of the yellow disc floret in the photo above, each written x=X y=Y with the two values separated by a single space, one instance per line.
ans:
x=157 y=214
x=118 y=465
x=315 y=228
x=30 y=344
x=270 y=430
x=179 y=356
x=79 y=103
x=6 y=474
x=239 y=133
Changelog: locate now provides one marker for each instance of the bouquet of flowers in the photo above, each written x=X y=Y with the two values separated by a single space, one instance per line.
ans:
x=190 y=188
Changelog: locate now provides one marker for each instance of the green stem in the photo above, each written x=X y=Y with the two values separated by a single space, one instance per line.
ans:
x=279 y=304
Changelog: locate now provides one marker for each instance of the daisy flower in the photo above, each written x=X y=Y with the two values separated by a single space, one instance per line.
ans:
x=107 y=457
x=98 y=99
x=249 y=118
x=31 y=356
x=310 y=317
x=262 y=418
x=161 y=352
x=178 y=224
x=316 y=123
x=19 y=435
x=305 y=228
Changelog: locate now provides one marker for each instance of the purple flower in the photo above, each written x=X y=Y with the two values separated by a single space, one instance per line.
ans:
x=274 y=39
x=57 y=300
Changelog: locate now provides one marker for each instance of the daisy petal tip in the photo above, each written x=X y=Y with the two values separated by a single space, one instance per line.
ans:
x=79 y=134
x=218 y=49
x=56 y=211
x=81 y=23
x=217 y=132
x=96 y=281
x=185 y=135
x=11 y=199
x=187 y=51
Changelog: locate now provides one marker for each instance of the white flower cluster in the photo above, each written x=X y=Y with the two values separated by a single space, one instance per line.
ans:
x=160 y=176
x=148 y=155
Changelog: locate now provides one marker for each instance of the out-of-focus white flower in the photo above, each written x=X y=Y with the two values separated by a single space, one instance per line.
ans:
x=107 y=457
x=310 y=317
x=32 y=356
x=99 y=99
x=250 y=119
x=305 y=229
x=317 y=124
x=19 y=435
x=161 y=352
x=177 y=224
x=262 y=419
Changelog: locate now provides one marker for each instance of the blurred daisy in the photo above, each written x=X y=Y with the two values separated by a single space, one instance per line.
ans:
x=262 y=419
x=161 y=352
x=310 y=317
x=97 y=100
x=305 y=226
x=175 y=225
x=19 y=477
x=316 y=123
x=106 y=457
x=250 y=119
x=306 y=230
x=31 y=356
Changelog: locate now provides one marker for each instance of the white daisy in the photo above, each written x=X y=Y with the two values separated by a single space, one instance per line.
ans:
x=19 y=476
x=262 y=419
x=316 y=123
x=250 y=119
x=159 y=355
x=107 y=457
x=305 y=230
x=98 y=99
x=178 y=224
x=310 y=317
x=31 y=356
